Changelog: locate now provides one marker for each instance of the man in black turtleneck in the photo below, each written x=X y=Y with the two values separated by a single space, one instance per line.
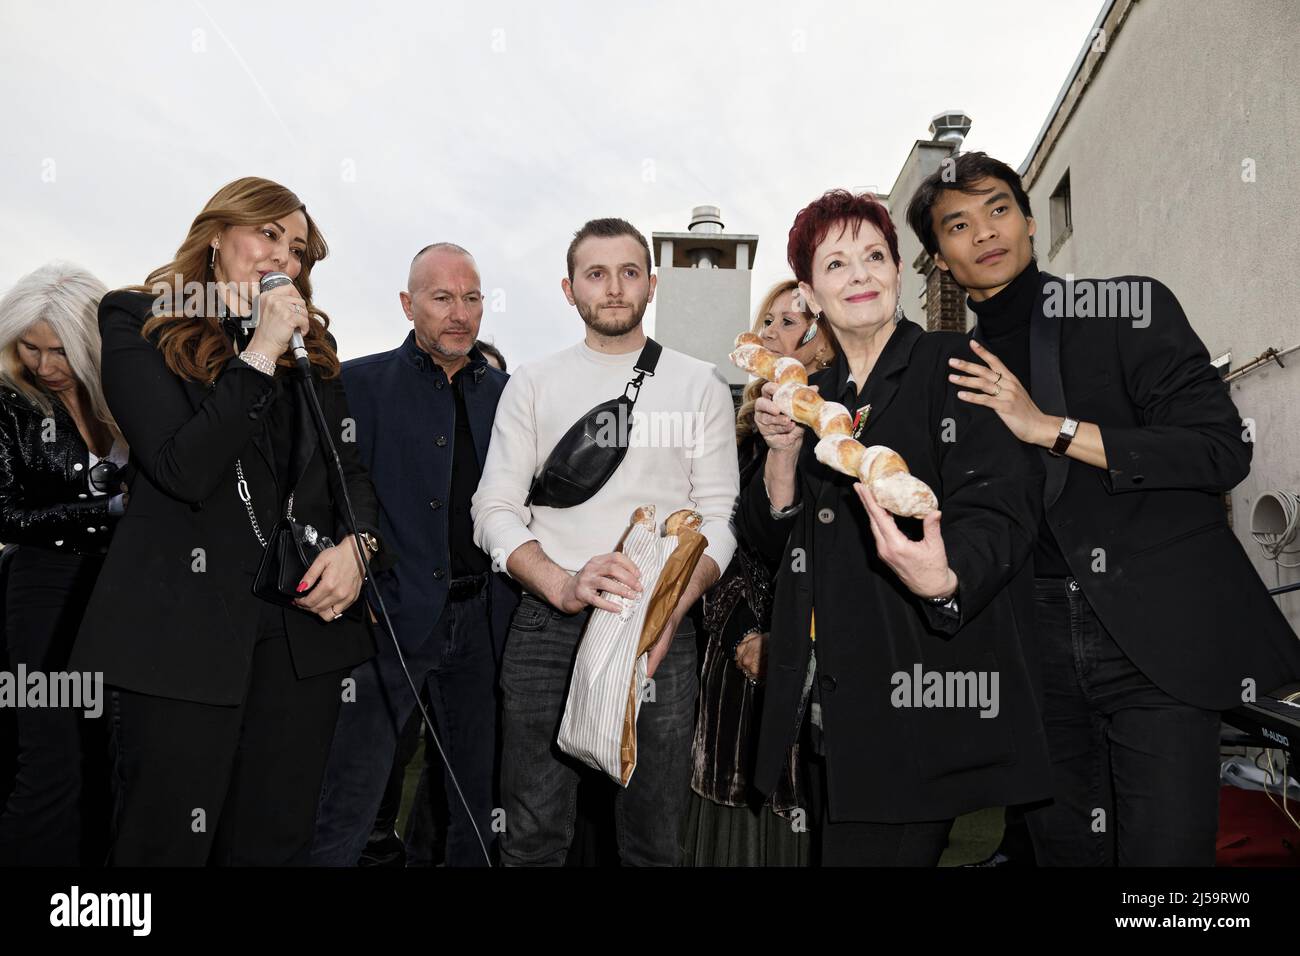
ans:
x=1003 y=320
x=1149 y=618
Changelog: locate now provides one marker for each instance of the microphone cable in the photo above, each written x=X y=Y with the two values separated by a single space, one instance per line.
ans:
x=304 y=382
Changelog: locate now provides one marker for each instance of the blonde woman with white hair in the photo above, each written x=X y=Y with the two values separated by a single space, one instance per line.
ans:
x=62 y=486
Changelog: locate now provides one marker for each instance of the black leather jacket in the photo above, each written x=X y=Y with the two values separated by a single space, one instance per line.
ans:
x=45 y=494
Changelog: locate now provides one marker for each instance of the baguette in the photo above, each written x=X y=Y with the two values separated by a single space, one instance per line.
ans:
x=790 y=370
x=904 y=494
x=766 y=364
x=799 y=402
x=756 y=360
x=881 y=469
x=841 y=453
x=834 y=419
x=881 y=462
x=683 y=519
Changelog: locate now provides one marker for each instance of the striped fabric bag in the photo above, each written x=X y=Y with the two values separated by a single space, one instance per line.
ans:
x=609 y=675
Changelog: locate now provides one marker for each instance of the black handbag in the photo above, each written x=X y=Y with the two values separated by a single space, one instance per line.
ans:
x=286 y=554
x=289 y=552
x=594 y=446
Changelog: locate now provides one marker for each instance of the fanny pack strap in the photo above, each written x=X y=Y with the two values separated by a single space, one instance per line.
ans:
x=645 y=365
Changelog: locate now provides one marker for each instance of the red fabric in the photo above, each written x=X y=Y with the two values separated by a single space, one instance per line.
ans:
x=1255 y=832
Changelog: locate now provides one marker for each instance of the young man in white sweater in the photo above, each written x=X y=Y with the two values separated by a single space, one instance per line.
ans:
x=681 y=454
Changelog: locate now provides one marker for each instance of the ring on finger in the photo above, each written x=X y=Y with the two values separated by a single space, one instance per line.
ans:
x=998 y=379
x=998 y=392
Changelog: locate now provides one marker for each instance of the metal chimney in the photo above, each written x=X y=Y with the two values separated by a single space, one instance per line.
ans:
x=702 y=298
x=706 y=220
x=950 y=127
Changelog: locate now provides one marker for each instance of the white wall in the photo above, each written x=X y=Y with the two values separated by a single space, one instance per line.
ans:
x=1188 y=90
x=701 y=311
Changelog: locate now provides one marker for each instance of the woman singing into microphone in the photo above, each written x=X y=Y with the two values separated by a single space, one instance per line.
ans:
x=223 y=704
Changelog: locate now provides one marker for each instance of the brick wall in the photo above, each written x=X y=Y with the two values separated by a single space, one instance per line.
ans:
x=945 y=302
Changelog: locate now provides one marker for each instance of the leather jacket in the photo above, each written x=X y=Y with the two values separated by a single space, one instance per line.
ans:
x=45 y=494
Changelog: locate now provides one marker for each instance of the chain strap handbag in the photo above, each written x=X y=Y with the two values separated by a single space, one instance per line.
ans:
x=286 y=554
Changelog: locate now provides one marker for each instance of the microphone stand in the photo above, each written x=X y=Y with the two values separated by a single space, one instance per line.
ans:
x=303 y=379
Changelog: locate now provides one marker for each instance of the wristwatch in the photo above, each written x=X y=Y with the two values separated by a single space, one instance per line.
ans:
x=370 y=541
x=1064 y=437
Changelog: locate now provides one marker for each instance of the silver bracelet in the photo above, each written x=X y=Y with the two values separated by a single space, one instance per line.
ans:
x=257 y=360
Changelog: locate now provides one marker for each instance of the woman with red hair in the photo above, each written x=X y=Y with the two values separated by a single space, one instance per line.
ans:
x=895 y=654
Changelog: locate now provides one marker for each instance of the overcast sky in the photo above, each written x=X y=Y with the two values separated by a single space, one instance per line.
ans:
x=499 y=126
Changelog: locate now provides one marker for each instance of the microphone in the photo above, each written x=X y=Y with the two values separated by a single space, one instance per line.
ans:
x=273 y=280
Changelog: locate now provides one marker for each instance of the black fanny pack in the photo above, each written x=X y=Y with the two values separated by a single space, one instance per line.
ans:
x=593 y=448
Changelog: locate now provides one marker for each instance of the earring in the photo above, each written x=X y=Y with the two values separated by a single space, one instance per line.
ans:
x=898 y=312
x=212 y=260
x=809 y=335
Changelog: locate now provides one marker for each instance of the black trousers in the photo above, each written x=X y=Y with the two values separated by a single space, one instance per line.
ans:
x=1135 y=772
x=56 y=813
x=854 y=843
x=198 y=784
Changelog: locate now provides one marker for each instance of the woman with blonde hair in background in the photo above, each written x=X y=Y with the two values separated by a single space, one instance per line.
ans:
x=61 y=490
x=728 y=823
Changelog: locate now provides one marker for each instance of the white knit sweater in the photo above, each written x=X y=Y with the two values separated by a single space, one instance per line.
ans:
x=682 y=455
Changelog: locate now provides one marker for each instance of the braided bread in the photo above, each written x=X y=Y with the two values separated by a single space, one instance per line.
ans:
x=881 y=469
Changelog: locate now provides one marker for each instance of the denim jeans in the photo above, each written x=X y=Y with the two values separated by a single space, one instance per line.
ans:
x=1135 y=772
x=539 y=784
x=456 y=674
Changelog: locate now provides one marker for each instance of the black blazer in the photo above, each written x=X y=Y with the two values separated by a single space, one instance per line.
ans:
x=1148 y=539
x=45 y=494
x=886 y=763
x=411 y=470
x=172 y=613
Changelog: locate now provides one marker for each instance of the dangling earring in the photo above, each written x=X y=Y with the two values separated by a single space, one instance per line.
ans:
x=811 y=334
x=212 y=260
x=898 y=312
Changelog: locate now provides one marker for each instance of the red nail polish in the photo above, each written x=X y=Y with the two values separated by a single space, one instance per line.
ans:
x=302 y=586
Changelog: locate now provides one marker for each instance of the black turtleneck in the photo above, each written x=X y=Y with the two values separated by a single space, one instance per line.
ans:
x=1004 y=320
x=1004 y=327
